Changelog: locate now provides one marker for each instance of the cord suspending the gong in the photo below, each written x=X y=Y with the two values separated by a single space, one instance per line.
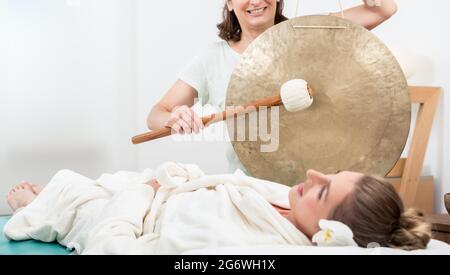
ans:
x=296 y=8
x=342 y=10
x=340 y=7
x=370 y=3
x=320 y=27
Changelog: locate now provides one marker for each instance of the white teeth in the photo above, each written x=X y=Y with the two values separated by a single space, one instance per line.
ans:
x=257 y=11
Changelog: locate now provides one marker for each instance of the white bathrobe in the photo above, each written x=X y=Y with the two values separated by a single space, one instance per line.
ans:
x=120 y=214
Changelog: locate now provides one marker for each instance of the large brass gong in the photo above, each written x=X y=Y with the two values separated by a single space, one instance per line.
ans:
x=361 y=114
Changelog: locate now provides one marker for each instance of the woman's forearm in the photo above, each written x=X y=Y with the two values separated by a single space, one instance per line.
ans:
x=385 y=8
x=180 y=94
x=370 y=16
x=158 y=117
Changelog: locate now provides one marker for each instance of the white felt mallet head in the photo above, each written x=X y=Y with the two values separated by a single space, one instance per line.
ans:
x=296 y=95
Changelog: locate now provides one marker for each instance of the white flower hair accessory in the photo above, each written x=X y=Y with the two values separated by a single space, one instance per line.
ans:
x=334 y=233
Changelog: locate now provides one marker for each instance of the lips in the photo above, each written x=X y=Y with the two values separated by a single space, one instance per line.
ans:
x=300 y=190
x=257 y=12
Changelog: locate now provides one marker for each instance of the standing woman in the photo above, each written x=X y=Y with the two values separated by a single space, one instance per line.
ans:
x=206 y=77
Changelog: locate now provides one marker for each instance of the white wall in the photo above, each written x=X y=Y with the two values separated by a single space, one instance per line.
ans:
x=82 y=79
x=71 y=89
x=169 y=34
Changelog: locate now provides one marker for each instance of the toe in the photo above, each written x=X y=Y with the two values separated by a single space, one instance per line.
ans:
x=37 y=189
x=28 y=186
x=24 y=184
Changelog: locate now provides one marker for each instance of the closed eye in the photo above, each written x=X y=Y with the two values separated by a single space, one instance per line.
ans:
x=321 y=192
x=324 y=189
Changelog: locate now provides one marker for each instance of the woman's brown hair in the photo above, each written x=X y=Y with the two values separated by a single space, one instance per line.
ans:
x=376 y=214
x=230 y=29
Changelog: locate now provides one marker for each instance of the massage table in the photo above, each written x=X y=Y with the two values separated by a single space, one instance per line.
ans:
x=39 y=248
x=28 y=247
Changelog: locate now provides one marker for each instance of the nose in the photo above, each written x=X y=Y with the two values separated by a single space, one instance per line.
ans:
x=314 y=177
x=311 y=174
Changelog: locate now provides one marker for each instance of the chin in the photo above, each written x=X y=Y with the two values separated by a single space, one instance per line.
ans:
x=293 y=196
x=260 y=22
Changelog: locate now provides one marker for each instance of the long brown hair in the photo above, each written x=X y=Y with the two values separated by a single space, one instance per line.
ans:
x=230 y=29
x=376 y=214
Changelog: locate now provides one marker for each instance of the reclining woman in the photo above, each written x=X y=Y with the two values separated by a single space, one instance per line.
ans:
x=209 y=212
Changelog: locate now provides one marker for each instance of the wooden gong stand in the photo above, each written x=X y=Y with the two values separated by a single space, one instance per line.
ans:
x=415 y=190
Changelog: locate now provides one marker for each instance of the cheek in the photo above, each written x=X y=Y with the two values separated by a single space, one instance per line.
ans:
x=273 y=5
x=311 y=201
x=242 y=5
x=305 y=207
x=297 y=203
x=307 y=215
x=238 y=5
x=307 y=218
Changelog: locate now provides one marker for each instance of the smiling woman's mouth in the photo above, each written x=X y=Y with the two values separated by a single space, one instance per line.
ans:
x=257 y=11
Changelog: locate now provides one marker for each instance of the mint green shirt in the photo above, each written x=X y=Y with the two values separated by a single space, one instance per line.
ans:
x=209 y=73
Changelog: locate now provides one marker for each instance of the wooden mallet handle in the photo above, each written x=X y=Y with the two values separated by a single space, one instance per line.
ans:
x=211 y=119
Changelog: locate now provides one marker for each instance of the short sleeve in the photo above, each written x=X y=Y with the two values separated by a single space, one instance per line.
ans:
x=194 y=74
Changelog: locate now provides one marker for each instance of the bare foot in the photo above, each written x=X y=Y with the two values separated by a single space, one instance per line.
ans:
x=37 y=189
x=20 y=196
